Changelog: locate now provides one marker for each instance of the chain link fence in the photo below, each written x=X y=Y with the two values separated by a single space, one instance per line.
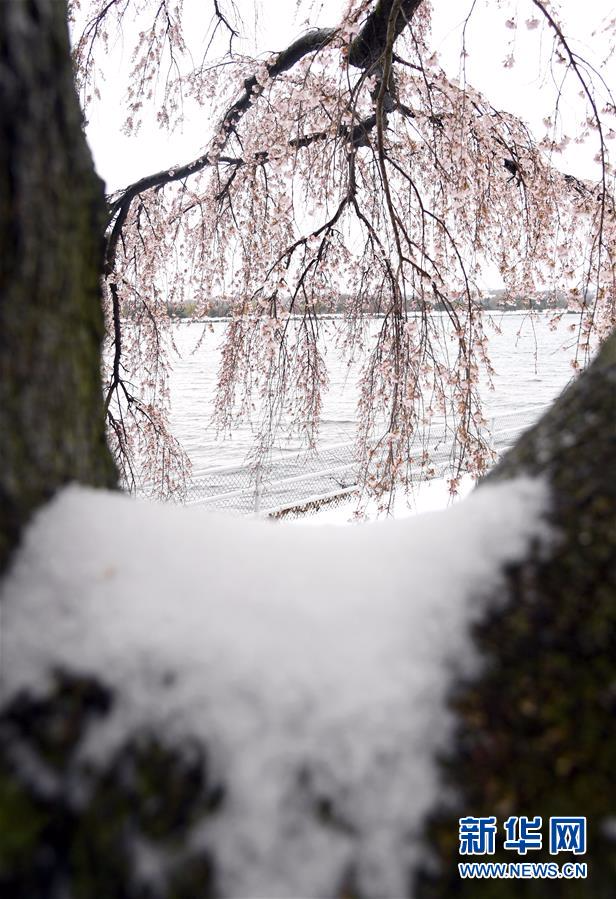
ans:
x=298 y=484
x=284 y=481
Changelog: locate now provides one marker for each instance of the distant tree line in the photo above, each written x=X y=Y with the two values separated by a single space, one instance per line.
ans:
x=496 y=299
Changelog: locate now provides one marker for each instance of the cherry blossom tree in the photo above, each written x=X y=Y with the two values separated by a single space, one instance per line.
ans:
x=347 y=163
x=99 y=809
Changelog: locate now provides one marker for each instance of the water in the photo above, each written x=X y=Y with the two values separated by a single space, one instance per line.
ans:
x=532 y=363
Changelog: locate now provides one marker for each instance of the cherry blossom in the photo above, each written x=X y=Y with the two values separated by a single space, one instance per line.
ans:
x=347 y=164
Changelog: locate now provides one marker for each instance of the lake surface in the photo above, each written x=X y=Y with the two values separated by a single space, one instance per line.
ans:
x=532 y=362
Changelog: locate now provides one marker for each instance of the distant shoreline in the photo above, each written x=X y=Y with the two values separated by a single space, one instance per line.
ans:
x=340 y=316
x=221 y=308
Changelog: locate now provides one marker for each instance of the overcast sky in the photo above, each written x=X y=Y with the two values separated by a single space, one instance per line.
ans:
x=526 y=89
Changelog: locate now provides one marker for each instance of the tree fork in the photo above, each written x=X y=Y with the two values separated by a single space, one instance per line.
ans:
x=369 y=45
x=52 y=216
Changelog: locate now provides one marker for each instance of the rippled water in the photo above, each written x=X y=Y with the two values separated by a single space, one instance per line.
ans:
x=532 y=362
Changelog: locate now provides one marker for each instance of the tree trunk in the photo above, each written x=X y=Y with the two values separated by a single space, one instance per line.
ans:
x=51 y=226
x=537 y=733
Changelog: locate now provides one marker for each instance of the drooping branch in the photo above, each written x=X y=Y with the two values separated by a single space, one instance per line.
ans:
x=119 y=207
x=359 y=141
x=103 y=15
x=310 y=42
x=576 y=63
x=367 y=47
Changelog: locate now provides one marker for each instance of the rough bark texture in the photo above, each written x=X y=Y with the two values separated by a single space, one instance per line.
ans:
x=537 y=731
x=368 y=47
x=74 y=831
x=51 y=226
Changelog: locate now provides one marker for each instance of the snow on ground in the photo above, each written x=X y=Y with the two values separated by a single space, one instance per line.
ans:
x=427 y=496
x=327 y=650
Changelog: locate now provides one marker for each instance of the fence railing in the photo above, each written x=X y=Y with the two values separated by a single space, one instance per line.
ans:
x=298 y=483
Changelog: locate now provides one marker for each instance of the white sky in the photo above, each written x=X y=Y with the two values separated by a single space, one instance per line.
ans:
x=527 y=89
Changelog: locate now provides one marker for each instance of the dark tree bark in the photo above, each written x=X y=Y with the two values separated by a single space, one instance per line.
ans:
x=368 y=47
x=51 y=243
x=537 y=732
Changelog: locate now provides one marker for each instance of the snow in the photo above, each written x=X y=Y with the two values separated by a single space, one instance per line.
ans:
x=312 y=661
x=427 y=496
